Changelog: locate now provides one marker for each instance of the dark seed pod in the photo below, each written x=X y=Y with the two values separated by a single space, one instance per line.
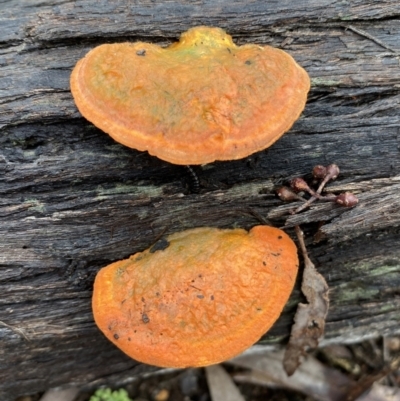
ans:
x=298 y=185
x=346 y=199
x=319 y=172
x=287 y=195
x=332 y=171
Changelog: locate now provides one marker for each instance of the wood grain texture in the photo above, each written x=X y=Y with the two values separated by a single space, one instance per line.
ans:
x=72 y=200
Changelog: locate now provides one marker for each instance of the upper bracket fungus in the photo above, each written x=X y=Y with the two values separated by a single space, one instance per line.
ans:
x=201 y=297
x=198 y=100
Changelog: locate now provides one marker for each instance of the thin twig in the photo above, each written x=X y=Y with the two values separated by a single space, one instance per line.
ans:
x=16 y=330
x=300 y=238
x=370 y=37
x=258 y=216
x=304 y=205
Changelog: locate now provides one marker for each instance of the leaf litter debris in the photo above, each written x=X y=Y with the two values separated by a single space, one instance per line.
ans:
x=309 y=321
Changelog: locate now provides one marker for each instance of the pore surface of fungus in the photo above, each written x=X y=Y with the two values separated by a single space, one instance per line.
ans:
x=199 y=100
x=198 y=297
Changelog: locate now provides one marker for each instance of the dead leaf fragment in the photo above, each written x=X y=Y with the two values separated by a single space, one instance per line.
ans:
x=68 y=394
x=314 y=379
x=309 y=321
x=221 y=385
x=379 y=392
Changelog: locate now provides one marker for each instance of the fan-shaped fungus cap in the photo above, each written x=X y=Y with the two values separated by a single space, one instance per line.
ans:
x=199 y=100
x=198 y=297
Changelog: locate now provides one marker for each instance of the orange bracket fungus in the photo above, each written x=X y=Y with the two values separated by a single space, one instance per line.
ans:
x=196 y=101
x=197 y=297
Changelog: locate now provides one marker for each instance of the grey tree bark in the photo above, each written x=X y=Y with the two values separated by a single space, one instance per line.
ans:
x=73 y=200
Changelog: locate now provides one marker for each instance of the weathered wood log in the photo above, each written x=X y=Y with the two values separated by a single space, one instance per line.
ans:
x=73 y=200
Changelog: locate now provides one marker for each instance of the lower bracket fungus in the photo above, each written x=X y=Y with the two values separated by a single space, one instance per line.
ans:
x=203 y=297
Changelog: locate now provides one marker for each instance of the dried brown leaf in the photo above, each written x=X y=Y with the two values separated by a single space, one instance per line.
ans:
x=309 y=321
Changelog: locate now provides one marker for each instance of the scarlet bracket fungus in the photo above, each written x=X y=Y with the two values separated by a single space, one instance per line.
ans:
x=202 y=297
x=199 y=100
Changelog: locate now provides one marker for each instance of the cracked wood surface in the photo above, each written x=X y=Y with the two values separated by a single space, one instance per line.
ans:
x=72 y=200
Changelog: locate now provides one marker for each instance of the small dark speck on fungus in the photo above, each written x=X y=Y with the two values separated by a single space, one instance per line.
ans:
x=145 y=318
